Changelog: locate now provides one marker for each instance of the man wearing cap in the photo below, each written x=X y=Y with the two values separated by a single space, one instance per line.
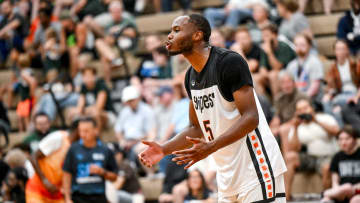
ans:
x=135 y=122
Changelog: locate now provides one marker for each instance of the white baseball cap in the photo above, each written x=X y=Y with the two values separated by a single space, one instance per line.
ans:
x=130 y=93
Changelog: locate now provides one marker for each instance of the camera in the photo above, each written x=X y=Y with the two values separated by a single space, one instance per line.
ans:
x=305 y=117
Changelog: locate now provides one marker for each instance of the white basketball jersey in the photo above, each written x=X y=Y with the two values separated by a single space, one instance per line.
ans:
x=255 y=158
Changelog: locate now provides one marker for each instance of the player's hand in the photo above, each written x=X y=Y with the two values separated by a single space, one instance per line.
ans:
x=200 y=150
x=95 y=169
x=49 y=186
x=152 y=155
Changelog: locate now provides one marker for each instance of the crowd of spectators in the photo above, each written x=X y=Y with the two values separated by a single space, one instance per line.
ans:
x=50 y=47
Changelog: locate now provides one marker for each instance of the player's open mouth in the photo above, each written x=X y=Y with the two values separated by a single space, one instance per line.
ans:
x=168 y=44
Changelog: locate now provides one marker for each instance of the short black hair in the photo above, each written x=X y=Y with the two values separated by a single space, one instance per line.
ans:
x=46 y=11
x=41 y=113
x=92 y=69
x=202 y=24
x=87 y=119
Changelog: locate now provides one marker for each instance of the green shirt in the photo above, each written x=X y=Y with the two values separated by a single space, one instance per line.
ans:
x=33 y=139
x=283 y=53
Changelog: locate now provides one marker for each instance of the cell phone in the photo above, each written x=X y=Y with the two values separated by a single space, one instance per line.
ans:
x=305 y=117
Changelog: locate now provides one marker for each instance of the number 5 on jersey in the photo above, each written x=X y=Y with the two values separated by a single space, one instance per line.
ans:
x=208 y=129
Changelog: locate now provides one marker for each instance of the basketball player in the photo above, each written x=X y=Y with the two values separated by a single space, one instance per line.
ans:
x=226 y=112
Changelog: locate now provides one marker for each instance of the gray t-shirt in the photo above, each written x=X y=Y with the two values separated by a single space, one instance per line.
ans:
x=135 y=124
x=309 y=71
x=296 y=24
x=106 y=21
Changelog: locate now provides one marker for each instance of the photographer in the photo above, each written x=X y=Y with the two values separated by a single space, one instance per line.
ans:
x=312 y=143
x=114 y=28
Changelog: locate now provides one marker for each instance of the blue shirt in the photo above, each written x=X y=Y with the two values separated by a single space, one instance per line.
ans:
x=77 y=162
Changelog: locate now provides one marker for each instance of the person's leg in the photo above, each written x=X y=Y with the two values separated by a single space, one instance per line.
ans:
x=274 y=83
x=106 y=56
x=328 y=6
x=292 y=162
x=214 y=16
x=284 y=131
x=73 y=54
x=237 y=16
x=326 y=176
x=302 y=5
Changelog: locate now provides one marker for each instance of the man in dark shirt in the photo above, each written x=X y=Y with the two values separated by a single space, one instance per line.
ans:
x=87 y=165
x=13 y=30
x=345 y=168
x=94 y=99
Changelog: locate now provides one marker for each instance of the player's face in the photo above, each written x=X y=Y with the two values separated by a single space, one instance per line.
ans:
x=180 y=38
x=346 y=142
x=87 y=131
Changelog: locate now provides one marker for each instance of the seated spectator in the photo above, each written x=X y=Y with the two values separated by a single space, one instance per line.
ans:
x=89 y=8
x=198 y=190
x=343 y=78
x=349 y=27
x=45 y=40
x=114 y=28
x=327 y=5
x=306 y=68
x=285 y=104
x=248 y=49
x=311 y=144
x=94 y=99
x=233 y=13
x=61 y=92
x=344 y=165
x=135 y=122
x=45 y=186
x=260 y=15
x=13 y=30
x=294 y=22
x=162 y=69
x=275 y=57
x=351 y=112
x=84 y=178
x=42 y=128
x=127 y=184
x=73 y=40
x=13 y=188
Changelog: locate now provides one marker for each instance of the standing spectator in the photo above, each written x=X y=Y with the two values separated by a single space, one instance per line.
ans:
x=247 y=48
x=114 y=29
x=13 y=30
x=233 y=13
x=285 y=105
x=260 y=15
x=294 y=22
x=94 y=99
x=306 y=68
x=45 y=186
x=311 y=144
x=87 y=165
x=345 y=169
x=13 y=188
x=73 y=40
x=127 y=184
x=349 y=27
x=136 y=122
x=42 y=128
x=275 y=56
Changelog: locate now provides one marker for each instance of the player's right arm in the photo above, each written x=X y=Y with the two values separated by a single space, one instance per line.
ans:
x=155 y=152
